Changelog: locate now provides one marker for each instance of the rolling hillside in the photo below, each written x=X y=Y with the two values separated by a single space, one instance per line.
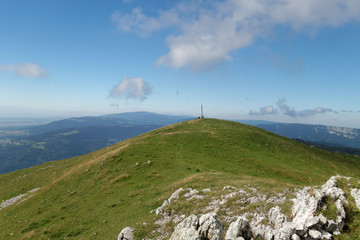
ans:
x=96 y=195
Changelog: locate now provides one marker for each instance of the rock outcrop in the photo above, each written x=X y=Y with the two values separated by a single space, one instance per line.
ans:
x=304 y=223
x=20 y=198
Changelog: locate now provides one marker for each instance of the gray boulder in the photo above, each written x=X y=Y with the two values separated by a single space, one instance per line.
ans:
x=126 y=234
x=295 y=237
x=325 y=235
x=187 y=229
x=210 y=227
x=315 y=234
x=193 y=228
x=239 y=228
x=331 y=226
x=312 y=222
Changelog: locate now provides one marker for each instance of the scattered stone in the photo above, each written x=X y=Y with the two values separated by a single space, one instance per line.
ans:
x=126 y=234
x=191 y=192
x=229 y=188
x=206 y=190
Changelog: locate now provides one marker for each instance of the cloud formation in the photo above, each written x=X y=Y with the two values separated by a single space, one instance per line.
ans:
x=264 y=110
x=208 y=31
x=131 y=88
x=285 y=109
x=30 y=70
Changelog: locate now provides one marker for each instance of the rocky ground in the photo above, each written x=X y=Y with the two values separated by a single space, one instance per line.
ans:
x=309 y=213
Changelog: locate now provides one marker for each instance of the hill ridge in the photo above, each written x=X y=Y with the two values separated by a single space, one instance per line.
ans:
x=107 y=190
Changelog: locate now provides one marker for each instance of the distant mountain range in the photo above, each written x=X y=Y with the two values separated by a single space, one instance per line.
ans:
x=328 y=135
x=29 y=146
x=26 y=146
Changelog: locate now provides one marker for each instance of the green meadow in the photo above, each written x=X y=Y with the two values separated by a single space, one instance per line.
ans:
x=96 y=195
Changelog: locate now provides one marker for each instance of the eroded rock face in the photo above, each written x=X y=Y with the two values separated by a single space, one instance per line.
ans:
x=126 y=234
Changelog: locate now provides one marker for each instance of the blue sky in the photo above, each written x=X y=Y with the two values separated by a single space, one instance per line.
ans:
x=286 y=60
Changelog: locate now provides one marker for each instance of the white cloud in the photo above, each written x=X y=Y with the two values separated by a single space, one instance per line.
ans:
x=135 y=88
x=208 y=31
x=141 y=24
x=30 y=70
x=264 y=110
x=289 y=111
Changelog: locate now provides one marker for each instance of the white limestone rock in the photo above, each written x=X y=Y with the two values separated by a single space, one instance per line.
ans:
x=282 y=234
x=325 y=235
x=322 y=220
x=315 y=234
x=191 y=192
x=258 y=228
x=312 y=222
x=175 y=195
x=305 y=206
x=210 y=227
x=330 y=189
x=276 y=217
x=340 y=219
x=295 y=237
x=239 y=228
x=127 y=234
x=187 y=229
x=355 y=193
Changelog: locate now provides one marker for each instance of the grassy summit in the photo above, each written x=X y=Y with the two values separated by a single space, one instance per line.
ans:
x=94 y=196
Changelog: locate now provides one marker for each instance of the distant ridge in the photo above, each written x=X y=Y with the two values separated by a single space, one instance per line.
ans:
x=75 y=136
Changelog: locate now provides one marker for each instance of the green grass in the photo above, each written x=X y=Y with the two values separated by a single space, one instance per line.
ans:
x=96 y=195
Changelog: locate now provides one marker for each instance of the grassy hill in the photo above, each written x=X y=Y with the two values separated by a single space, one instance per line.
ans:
x=96 y=195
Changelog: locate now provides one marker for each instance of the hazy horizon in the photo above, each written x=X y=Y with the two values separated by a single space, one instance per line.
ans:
x=286 y=61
